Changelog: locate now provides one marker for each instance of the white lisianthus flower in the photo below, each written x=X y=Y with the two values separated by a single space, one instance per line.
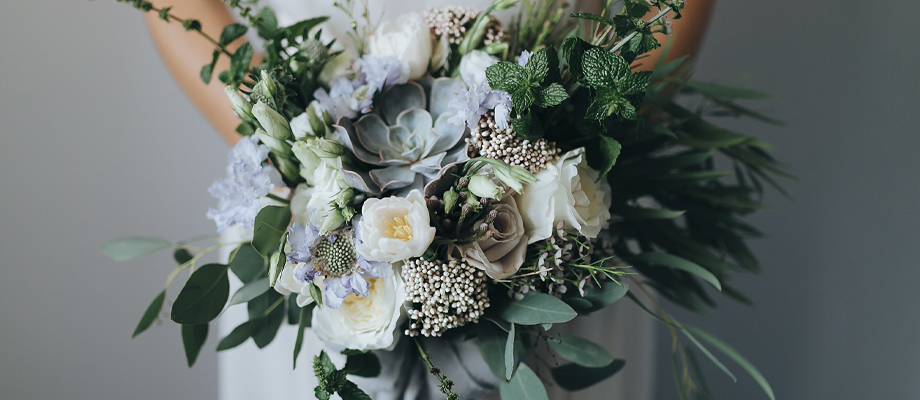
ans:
x=395 y=228
x=316 y=199
x=440 y=52
x=288 y=284
x=473 y=67
x=364 y=323
x=407 y=38
x=565 y=191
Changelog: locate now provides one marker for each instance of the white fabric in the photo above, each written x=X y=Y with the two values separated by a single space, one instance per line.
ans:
x=247 y=373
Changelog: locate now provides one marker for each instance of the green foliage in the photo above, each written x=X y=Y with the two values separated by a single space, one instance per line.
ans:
x=612 y=80
x=270 y=225
x=333 y=381
x=126 y=248
x=511 y=359
x=362 y=364
x=534 y=84
x=537 y=308
x=491 y=340
x=730 y=352
x=239 y=64
x=232 y=32
x=193 y=337
x=573 y=377
x=672 y=261
x=203 y=297
x=305 y=316
x=580 y=351
x=524 y=385
x=267 y=24
x=150 y=314
x=250 y=291
x=606 y=295
x=207 y=71
x=247 y=264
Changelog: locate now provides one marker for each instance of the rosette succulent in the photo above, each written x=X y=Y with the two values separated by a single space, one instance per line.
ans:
x=408 y=140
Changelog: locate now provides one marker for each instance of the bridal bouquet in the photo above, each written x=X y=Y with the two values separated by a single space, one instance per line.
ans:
x=445 y=176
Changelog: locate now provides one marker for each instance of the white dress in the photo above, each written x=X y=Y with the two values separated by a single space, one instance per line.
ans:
x=248 y=373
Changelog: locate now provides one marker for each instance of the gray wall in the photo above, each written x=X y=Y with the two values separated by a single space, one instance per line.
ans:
x=97 y=142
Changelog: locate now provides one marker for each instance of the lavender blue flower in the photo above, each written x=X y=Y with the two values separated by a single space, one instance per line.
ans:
x=333 y=258
x=381 y=73
x=345 y=98
x=469 y=106
x=247 y=180
x=525 y=56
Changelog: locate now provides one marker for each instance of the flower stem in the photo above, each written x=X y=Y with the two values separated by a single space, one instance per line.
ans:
x=634 y=33
x=446 y=384
x=278 y=199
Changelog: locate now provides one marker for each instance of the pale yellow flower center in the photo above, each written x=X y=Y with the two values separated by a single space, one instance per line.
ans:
x=399 y=229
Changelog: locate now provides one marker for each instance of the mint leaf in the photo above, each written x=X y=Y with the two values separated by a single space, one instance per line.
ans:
x=239 y=62
x=625 y=24
x=573 y=49
x=351 y=391
x=603 y=68
x=552 y=95
x=603 y=156
x=506 y=76
x=626 y=110
x=604 y=103
x=538 y=66
x=267 y=23
x=634 y=83
x=522 y=98
x=232 y=32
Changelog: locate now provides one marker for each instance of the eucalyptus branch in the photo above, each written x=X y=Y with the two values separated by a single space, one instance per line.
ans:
x=636 y=32
x=446 y=383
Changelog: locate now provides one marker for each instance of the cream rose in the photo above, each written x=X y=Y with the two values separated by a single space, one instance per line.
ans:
x=502 y=254
x=364 y=323
x=287 y=284
x=407 y=38
x=473 y=67
x=315 y=200
x=395 y=228
x=565 y=191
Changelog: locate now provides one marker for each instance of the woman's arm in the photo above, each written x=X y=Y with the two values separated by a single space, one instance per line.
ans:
x=687 y=32
x=185 y=52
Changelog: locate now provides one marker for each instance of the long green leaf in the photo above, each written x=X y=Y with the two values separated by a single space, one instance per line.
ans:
x=580 y=351
x=729 y=351
x=237 y=336
x=537 y=308
x=510 y=361
x=304 y=318
x=126 y=248
x=150 y=314
x=524 y=385
x=671 y=261
x=491 y=340
x=573 y=377
x=606 y=295
x=646 y=213
x=203 y=297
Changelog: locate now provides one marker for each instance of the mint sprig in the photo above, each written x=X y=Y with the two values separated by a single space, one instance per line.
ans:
x=534 y=84
x=613 y=81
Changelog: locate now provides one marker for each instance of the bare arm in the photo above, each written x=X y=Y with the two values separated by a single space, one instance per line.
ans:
x=185 y=52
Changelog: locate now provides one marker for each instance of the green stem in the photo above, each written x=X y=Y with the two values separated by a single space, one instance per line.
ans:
x=446 y=384
x=278 y=199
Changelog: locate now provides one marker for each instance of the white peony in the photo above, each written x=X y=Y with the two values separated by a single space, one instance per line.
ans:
x=316 y=199
x=364 y=323
x=407 y=38
x=395 y=228
x=473 y=67
x=565 y=191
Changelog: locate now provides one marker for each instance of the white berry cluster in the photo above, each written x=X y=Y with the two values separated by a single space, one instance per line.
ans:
x=504 y=144
x=447 y=295
x=450 y=21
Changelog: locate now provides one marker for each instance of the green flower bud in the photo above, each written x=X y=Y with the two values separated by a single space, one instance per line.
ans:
x=279 y=147
x=308 y=160
x=274 y=123
x=345 y=198
x=450 y=200
x=241 y=106
x=316 y=122
x=509 y=180
x=482 y=186
x=333 y=221
x=314 y=50
x=472 y=201
x=268 y=90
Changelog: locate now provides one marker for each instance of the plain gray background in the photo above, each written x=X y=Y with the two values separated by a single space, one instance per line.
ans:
x=97 y=142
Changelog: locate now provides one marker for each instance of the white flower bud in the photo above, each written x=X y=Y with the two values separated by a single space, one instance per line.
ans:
x=241 y=106
x=407 y=38
x=274 y=123
x=482 y=186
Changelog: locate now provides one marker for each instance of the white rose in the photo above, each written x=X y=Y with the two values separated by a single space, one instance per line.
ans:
x=473 y=67
x=316 y=199
x=364 y=323
x=287 y=284
x=394 y=228
x=407 y=38
x=565 y=191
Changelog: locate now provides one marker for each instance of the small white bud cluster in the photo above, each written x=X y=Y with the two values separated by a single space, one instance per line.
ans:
x=447 y=294
x=504 y=144
x=450 y=21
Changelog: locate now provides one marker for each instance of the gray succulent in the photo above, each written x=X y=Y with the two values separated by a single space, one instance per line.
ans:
x=408 y=141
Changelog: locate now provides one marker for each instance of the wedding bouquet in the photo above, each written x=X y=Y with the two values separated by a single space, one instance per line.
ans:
x=448 y=177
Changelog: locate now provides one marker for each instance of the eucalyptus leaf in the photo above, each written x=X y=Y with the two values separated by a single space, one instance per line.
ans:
x=193 y=337
x=491 y=340
x=524 y=385
x=237 y=336
x=182 y=256
x=126 y=248
x=268 y=326
x=510 y=360
x=203 y=297
x=247 y=264
x=580 y=351
x=606 y=295
x=672 y=261
x=304 y=323
x=150 y=314
x=250 y=291
x=537 y=308
x=573 y=377
x=270 y=225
